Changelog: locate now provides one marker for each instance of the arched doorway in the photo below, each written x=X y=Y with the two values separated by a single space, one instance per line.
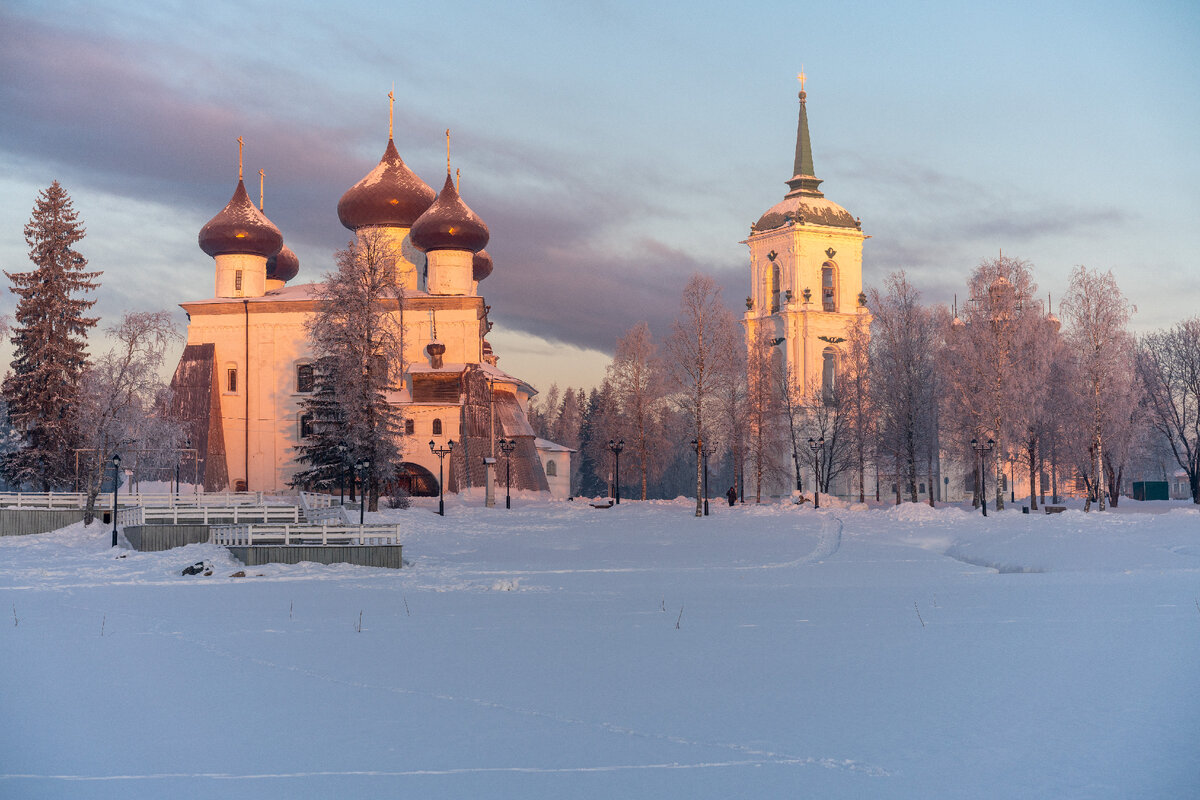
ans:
x=416 y=480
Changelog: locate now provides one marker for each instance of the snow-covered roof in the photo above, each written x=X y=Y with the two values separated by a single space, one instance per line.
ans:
x=552 y=447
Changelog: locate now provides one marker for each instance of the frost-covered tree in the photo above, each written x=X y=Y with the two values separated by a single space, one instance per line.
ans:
x=1096 y=317
x=357 y=331
x=855 y=390
x=118 y=408
x=702 y=342
x=991 y=367
x=568 y=424
x=49 y=337
x=323 y=452
x=765 y=383
x=637 y=381
x=1169 y=366
x=905 y=341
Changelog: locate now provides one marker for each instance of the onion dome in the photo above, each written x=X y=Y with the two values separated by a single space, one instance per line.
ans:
x=283 y=266
x=240 y=228
x=449 y=225
x=481 y=265
x=391 y=195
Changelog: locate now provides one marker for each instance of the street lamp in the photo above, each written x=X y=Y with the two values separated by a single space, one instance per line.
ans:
x=616 y=448
x=703 y=453
x=441 y=453
x=179 y=457
x=362 y=468
x=983 y=450
x=507 y=446
x=816 y=447
x=341 y=450
x=116 y=460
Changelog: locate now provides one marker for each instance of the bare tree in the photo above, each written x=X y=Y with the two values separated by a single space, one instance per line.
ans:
x=637 y=380
x=855 y=394
x=1096 y=316
x=1169 y=365
x=765 y=383
x=703 y=339
x=904 y=341
x=120 y=390
x=357 y=330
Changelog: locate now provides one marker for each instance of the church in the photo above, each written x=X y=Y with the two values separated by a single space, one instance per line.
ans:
x=248 y=366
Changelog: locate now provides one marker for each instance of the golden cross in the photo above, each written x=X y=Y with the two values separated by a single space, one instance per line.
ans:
x=801 y=77
x=262 y=174
x=240 y=143
x=458 y=174
x=391 y=106
x=447 y=151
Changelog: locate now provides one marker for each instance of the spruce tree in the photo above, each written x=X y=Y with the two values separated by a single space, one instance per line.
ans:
x=50 y=345
x=323 y=451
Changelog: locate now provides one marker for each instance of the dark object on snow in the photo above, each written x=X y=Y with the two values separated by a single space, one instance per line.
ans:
x=731 y=495
x=241 y=573
x=198 y=568
x=1055 y=509
x=603 y=504
x=1150 y=490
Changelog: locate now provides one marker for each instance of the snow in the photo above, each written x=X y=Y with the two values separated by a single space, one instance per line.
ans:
x=556 y=650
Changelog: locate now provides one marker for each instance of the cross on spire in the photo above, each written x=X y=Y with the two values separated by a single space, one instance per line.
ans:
x=262 y=174
x=240 y=144
x=391 y=108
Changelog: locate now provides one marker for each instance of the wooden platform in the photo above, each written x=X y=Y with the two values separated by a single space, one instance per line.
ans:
x=380 y=555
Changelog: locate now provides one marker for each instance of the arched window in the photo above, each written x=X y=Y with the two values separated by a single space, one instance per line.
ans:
x=306 y=426
x=437 y=427
x=304 y=378
x=829 y=286
x=551 y=469
x=409 y=427
x=774 y=288
x=829 y=375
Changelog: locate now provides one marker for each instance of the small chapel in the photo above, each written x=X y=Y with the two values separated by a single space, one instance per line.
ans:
x=805 y=273
x=248 y=365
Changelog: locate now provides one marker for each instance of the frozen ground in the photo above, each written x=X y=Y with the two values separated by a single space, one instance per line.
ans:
x=559 y=651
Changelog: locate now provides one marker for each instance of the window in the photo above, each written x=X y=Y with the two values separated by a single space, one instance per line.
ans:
x=304 y=378
x=437 y=427
x=774 y=288
x=551 y=469
x=231 y=380
x=828 y=287
x=829 y=375
x=409 y=427
x=237 y=281
x=306 y=426
x=922 y=489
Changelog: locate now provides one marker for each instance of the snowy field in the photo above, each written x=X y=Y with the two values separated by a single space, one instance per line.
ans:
x=557 y=651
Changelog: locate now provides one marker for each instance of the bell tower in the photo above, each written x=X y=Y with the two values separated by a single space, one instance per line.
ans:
x=805 y=272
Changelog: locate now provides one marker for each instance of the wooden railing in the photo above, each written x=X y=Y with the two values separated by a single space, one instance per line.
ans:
x=146 y=499
x=204 y=515
x=287 y=534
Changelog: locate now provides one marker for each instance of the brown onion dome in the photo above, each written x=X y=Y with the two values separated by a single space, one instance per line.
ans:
x=283 y=266
x=481 y=265
x=391 y=195
x=449 y=225
x=240 y=228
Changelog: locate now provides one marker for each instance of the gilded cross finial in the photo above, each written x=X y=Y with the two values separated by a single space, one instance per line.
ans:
x=801 y=77
x=262 y=174
x=391 y=107
x=240 y=144
x=458 y=182
x=447 y=151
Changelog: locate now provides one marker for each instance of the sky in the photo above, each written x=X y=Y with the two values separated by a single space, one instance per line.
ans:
x=615 y=148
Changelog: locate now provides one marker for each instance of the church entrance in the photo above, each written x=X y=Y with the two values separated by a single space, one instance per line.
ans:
x=416 y=480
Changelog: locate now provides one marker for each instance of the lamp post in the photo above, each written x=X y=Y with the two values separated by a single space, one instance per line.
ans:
x=703 y=453
x=116 y=460
x=1012 y=481
x=982 y=449
x=362 y=468
x=616 y=448
x=816 y=447
x=341 y=449
x=441 y=453
x=507 y=446
x=179 y=457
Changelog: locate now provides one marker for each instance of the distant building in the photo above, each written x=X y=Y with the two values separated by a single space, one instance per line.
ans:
x=248 y=366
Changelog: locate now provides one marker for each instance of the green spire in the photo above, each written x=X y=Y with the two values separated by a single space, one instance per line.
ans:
x=804 y=180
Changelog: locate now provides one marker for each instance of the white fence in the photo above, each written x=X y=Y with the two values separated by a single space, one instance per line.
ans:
x=323 y=534
x=203 y=515
x=146 y=499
